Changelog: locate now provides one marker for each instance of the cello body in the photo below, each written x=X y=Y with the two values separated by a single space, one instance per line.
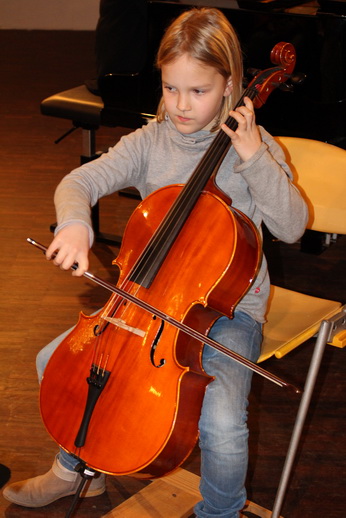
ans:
x=145 y=421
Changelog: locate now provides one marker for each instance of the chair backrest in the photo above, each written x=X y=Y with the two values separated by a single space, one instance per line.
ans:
x=319 y=171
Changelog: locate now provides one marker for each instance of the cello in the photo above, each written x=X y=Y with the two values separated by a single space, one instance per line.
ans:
x=116 y=392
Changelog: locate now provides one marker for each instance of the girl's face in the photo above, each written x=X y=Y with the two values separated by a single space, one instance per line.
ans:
x=193 y=93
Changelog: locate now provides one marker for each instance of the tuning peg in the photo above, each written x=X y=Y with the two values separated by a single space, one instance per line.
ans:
x=298 y=78
x=285 y=87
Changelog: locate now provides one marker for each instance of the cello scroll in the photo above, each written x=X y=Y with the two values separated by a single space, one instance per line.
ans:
x=264 y=82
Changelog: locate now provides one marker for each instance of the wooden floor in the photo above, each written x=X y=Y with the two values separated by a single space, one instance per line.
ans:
x=39 y=301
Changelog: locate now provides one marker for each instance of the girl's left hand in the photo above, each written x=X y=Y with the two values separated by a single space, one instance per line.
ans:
x=246 y=139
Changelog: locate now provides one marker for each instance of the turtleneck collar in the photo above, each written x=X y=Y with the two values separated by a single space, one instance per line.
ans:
x=190 y=139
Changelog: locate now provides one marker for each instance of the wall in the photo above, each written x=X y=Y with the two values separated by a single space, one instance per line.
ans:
x=49 y=14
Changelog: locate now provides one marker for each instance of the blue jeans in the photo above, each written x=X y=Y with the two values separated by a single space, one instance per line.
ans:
x=223 y=422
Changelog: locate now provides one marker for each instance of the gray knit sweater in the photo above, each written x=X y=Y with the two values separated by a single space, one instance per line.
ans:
x=158 y=155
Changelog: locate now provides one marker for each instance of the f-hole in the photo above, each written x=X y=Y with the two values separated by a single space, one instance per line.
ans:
x=155 y=344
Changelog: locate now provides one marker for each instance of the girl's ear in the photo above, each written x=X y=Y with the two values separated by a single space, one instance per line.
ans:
x=229 y=87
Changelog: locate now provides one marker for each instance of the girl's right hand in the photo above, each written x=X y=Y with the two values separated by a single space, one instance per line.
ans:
x=70 y=245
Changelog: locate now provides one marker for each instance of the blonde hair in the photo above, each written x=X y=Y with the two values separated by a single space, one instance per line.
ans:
x=204 y=34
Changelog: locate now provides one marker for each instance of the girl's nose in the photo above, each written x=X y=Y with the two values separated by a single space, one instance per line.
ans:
x=183 y=104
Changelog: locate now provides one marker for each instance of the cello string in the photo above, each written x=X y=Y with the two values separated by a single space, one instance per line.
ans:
x=176 y=215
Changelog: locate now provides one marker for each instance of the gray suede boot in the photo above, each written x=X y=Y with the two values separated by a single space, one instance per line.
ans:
x=56 y=483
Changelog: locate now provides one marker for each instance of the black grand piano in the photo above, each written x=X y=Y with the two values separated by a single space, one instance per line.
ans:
x=315 y=108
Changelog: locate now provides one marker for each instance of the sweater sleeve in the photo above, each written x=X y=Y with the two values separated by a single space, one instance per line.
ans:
x=122 y=166
x=283 y=210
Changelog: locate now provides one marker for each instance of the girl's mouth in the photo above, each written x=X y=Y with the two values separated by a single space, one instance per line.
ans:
x=183 y=119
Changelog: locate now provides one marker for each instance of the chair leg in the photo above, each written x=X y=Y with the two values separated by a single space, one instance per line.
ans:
x=327 y=330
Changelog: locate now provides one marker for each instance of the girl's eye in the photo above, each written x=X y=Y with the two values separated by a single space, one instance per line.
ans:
x=169 y=88
x=199 y=92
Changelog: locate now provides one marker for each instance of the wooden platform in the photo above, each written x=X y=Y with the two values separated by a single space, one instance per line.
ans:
x=173 y=496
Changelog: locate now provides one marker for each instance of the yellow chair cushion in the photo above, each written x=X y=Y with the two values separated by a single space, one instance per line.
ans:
x=292 y=318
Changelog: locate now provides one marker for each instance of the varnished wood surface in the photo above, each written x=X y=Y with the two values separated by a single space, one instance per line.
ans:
x=39 y=301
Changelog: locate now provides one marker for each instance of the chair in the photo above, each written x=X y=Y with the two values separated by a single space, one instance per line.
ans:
x=320 y=173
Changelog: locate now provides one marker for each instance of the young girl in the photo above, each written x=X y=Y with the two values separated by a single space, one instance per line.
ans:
x=201 y=69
